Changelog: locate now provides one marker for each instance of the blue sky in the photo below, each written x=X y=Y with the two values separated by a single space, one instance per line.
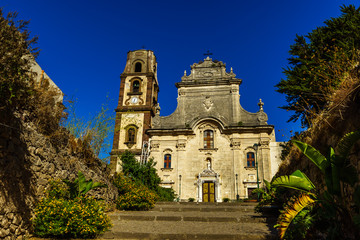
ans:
x=84 y=44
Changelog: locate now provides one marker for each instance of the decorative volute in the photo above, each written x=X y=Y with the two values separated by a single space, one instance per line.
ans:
x=208 y=70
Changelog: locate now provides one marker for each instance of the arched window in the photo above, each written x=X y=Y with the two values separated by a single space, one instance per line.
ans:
x=136 y=86
x=208 y=139
x=250 y=159
x=167 y=161
x=138 y=67
x=131 y=133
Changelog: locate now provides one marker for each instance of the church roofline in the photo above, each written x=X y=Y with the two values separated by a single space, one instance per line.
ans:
x=208 y=83
x=227 y=130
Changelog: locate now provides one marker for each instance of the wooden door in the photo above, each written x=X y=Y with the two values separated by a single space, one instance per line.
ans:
x=208 y=192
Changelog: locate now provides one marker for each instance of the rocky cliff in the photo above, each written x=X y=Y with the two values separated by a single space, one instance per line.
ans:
x=28 y=160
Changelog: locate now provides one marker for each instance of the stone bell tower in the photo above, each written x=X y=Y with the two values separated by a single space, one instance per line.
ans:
x=136 y=106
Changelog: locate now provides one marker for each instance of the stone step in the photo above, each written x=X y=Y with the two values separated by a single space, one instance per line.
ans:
x=208 y=203
x=193 y=221
x=190 y=216
x=202 y=209
x=188 y=230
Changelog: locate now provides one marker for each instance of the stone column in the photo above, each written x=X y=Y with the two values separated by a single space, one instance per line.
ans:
x=235 y=147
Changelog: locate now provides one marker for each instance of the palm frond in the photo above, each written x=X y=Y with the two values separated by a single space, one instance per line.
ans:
x=344 y=146
x=298 y=181
x=313 y=154
x=291 y=211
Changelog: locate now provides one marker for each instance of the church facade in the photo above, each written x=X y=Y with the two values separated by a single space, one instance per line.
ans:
x=209 y=148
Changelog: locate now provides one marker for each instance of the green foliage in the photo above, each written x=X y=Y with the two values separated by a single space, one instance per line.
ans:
x=95 y=132
x=57 y=189
x=60 y=216
x=191 y=199
x=145 y=174
x=318 y=64
x=226 y=199
x=303 y=221
x=338 y=172
x=298 y=209
x=165 y=194
x=15 y=75
x=314 y=155
x=79 y=187
x=132 y=195
x=138 y=186
x=271 y=195
x=141 y=173
x=297 y=180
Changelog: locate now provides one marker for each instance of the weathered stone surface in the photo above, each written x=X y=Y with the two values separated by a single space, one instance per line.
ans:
x=12 y=228
x=27 y=166
x=4 y=232
x=42 y=181
x=10 y=216
x=16 y=220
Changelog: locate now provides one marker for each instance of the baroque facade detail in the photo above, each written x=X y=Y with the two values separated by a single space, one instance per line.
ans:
x=206 y=148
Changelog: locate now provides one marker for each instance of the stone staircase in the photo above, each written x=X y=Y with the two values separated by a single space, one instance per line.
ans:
x=193 y=221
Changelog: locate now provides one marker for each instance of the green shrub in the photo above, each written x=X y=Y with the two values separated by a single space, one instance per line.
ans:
x=132 y=195
x=145 y=175
x=58 y=215
x=57 y=189
x=139 y=198
x=82 y=217
x=191 y=199
x=226 y=199
x=165 y=194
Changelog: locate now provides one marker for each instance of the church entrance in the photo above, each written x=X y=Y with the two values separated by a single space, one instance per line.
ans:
x=208 y=191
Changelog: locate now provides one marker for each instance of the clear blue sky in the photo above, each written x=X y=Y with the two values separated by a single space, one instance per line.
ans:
x=84 y=44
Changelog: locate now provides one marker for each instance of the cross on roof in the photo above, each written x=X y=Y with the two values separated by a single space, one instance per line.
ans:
x=208 y=53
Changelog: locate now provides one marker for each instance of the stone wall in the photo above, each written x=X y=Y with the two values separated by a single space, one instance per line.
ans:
x=28 y=160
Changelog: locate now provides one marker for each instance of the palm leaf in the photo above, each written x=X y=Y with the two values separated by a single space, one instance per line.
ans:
x=267 y=184
x=344 y=146
x=291 y=211
x=313 y=154
x=335 y=179
x=298 y=180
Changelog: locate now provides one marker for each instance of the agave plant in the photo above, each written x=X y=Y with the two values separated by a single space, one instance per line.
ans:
x=336 y=169
x=80 y=186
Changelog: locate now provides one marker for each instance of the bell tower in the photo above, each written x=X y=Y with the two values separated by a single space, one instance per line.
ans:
x=136 y=106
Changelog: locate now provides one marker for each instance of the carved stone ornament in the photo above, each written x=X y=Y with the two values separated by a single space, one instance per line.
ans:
x=264 y=143
x=262 y=117
x=156 y=121
x=155 y=146
x=208 y=103
x=181 y=144
x=208 y=173
x=157 y=109
x=235 y=143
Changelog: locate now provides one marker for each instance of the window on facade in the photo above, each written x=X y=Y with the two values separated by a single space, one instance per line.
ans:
x=208 y=139
x=167 y=161
x=138 y=67
x=250 y=159
x=136 y=86
x=131 y=135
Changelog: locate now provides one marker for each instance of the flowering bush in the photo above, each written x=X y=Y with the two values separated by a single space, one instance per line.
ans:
x=140 y=198
x=59 y=216
x=133 y=196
